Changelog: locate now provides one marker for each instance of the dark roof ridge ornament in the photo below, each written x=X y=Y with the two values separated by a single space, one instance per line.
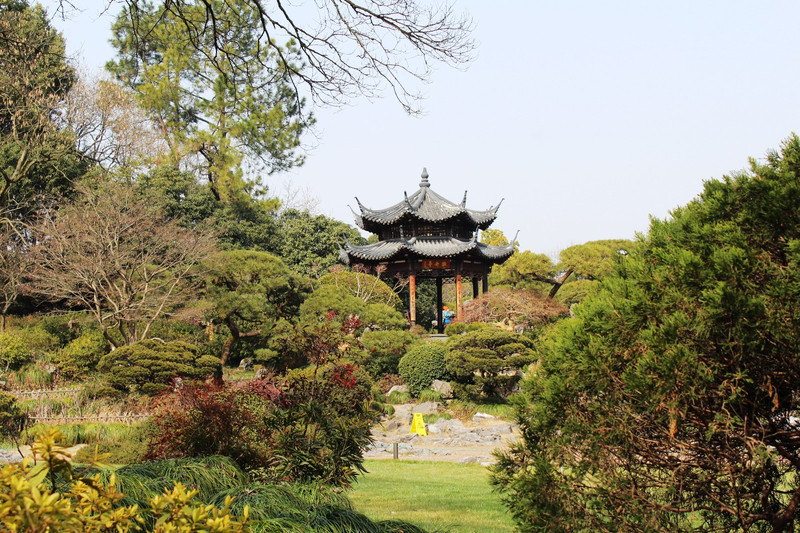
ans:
x=408 y=202
x=424 y=182
x=464 y=200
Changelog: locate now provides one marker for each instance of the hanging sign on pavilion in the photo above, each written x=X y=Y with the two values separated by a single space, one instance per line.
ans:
x=435 y=264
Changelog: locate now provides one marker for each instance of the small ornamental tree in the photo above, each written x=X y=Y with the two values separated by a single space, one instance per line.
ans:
x=421 y=365
x=484 y=363
x=149 y=366
x=669 y=402
x=514 y=308
x=384 y=349
x=341 y=302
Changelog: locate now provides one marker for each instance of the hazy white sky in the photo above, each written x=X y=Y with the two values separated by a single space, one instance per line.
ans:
x=586 y=116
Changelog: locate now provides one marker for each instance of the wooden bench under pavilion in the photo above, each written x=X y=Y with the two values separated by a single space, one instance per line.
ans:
x=428 y=236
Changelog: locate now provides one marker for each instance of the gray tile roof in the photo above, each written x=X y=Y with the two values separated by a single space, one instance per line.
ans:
x=424 y=247
x=426 y=205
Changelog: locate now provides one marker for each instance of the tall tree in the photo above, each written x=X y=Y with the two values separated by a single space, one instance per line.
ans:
x=37 y=155
x=309 y=243
x=345 y=47
x=119 y=258
x=668 y=403
x=212 y=114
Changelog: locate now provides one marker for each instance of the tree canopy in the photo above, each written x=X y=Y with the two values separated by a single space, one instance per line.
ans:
x=339 y=48
x=212 y=113
x=668 y=402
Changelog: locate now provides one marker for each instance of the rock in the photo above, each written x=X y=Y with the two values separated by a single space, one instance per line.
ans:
x=454 y=426
x=481 y=417
x=402 y=413
x=473 y=459
x=261 y=373
x=497 y=429
x=443 y=388
x=9 y=456
x=50 y=368
x=377 y=434
x=397 y=388
x=427 y=408
x=393 y=424
x=246 y=364
x=177 y=384
x=408 y=437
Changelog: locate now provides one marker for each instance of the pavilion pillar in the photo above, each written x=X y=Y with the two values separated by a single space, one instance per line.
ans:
x=485 y=279
x=439 y=311
x=474 y=287
x=412 y=298
x=459 y=289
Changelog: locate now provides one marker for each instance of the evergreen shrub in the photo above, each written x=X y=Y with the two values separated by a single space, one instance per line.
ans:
x=81 y=355
x=483 y=363
x=384 y=350
x=421 y=365
x=13 y=351
x=148 y=366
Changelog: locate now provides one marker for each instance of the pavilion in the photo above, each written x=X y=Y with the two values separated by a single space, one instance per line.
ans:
x=428 y=236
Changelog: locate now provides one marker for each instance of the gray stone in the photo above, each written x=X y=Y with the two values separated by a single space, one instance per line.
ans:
x=427 y=408
x=397 y=388
x=473 y=459
x=481 y=417
x=443 y=388
x=402 y=413
x=261 y=373
x=10 y=456
x=454 y=426
x=393 y=424
x=246 y=364
x=408 y=437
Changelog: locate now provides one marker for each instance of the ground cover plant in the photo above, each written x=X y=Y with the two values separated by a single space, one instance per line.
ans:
x=669 y=401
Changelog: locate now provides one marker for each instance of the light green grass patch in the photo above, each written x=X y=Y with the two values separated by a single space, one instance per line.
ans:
x=434 y=495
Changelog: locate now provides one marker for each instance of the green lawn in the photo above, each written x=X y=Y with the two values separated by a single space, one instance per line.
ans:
x=435 y=495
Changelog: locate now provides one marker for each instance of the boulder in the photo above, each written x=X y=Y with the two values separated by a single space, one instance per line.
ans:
x=397 y=388
x=261 y=373
x=482 y=417
x=443 y=388
x=393 y=424
x=246 y=364
x=427 y=408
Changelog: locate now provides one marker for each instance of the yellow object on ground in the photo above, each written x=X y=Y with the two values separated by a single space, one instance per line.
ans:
x=418 y=425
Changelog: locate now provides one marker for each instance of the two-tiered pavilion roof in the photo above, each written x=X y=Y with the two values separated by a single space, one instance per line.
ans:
x=425 y=235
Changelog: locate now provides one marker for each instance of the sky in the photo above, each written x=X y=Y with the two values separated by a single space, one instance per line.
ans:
x=586 y=117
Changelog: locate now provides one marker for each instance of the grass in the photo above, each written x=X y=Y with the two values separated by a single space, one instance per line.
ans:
x=434 y=495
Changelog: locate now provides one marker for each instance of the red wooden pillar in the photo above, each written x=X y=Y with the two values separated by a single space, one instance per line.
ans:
x=459 y=297
x=412 y=298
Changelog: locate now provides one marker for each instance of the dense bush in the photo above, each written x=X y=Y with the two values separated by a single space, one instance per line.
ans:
x=301 y=430
x=367 y=287
x=82 y=355
x=384 y=349
x=455 y=328
x=483 y=363
x=421 y=365
x=12 y=418
x=148 y=366
x=13 y=351
x=339 y=301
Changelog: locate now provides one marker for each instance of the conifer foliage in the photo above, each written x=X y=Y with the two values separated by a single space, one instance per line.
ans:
x=668 y=403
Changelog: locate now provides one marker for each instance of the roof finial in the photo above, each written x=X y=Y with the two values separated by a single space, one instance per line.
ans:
x=424 y=182
x=464 y=201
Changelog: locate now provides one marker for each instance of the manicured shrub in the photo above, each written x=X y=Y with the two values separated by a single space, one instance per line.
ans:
x=13 y=351
x=81 y=356
x=483 y=364
x=384 y=349
x=339 y=301
x=455 y=328
x=421 y=365
x=148 y=366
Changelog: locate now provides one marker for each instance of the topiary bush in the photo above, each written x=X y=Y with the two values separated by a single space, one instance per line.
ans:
x=483 y=363
x=421 y=365
x=455 y=328
x=81 y=356
x=148 y=366
x=384 y=349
